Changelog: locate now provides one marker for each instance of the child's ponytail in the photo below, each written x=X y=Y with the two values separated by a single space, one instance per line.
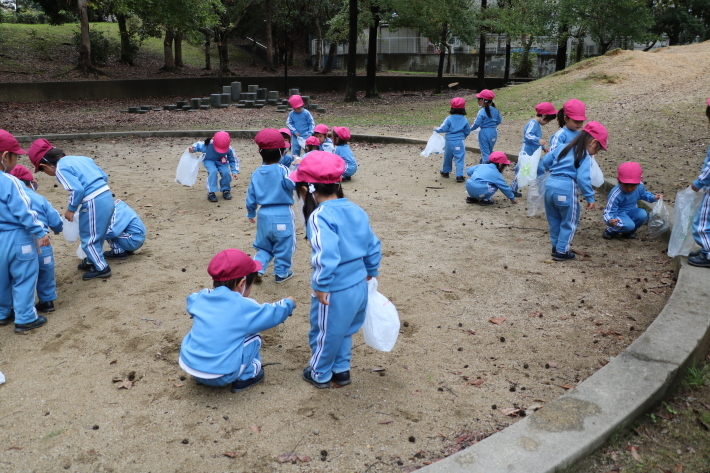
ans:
x=208 y=141
x=579 y=145
x=309 y=202
x=487 y=104
x=561 y=117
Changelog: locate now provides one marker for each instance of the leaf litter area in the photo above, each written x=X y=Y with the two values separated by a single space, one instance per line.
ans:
x=491 y=328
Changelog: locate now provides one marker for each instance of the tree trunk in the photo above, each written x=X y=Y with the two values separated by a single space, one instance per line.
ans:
x=526 y=63
x=506 y=74
x=482 y=53
x=371 y=82
x=332 y=49
x=208 y=43
x=168 y=58
x=268 y=30
x=291 y=47
x=178 y=50
x=85 y=50
x=351 y=84
x=561 y=58
x=223 y=48
x=319 y=47
x=580 y=49
x=125 y=40
x=442 y=56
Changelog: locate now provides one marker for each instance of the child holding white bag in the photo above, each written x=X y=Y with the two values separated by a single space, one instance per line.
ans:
x=457 y=129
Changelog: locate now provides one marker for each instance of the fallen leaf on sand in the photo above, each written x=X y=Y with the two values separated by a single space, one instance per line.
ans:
x=177 y=385
x=470 y=332
x=304 y=458
x=126 y=384
x=510 y=411
x=565 y=386
x=446 y=290
x=385 y=422
x=634 y=452
x=14 y=448
x=580 y=253
x=552 y=365
x=477 y=382
x=254 y=428
x=233 y=454
x=537 y=313
x=116 y=379
x=497 y=320
x=113 y=362
x=286 y=457
x=378 y=368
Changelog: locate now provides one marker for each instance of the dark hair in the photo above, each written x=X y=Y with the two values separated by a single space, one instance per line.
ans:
x=337 y=140
x=208 y=141
x=707 y=112
x=548 y=118
x=579 y=145
x=309 y=203
x=488 y=104
x=500 y=167
x=270 y=156
x=233 y=283
x=561 y=117
x=286 y=136
x=457 y=111
x=310 y=148
x=53 y=155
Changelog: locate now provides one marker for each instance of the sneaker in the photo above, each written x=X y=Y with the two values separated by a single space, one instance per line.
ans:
x=41 y=320
x=341 y=379
x=518 y=194
x=307 y=377
x=630 y=235
x=471 y=200
x=444 y=174
x=553 y=251
x=557 y=256
x=211 y=197
x=699 y=260
x=608 y=235
x=280 y=279
x=85 y=265
x=227 y=196
x=242 y=384
x=47 y=306
x=346 y=179
x=259 y=278
x=694 y=253
x=104 y=273
x=10 y=318
x=460 y=179
x=485 y=202
x=112 y=255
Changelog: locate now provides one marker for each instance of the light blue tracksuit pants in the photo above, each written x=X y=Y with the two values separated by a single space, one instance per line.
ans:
x=562 y=210
x=486 y=141
x=701 y=225
x=46 y=283
x=275 y=238
x=332 y=327
x=454 y=150
x=18 y=275
x=126 y=242
x=630 y=221
x=93 y=223
x=250 y=366
x=295 y=147
x=478 y=191
x=225 y=181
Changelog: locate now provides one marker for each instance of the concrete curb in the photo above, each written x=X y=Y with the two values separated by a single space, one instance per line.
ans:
x=575 y=424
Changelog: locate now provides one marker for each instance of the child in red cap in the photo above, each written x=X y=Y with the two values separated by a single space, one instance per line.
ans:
x=324 y=143
x=300 y=122
x=223 y=345
x=487 y=119
x=346 y=253
x=271 y=191
x=456 y=128
x=312 y=144
x=219 y=158
x=20 y=234
x=571 y=119
x=486 y=179
x=50 y=218
x=532 y=136
x=622 y=214
x=286 y=157
x=341 y=135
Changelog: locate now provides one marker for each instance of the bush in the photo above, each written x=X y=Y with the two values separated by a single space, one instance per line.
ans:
x=30 y=17
x=524 y=65
x=102 y=47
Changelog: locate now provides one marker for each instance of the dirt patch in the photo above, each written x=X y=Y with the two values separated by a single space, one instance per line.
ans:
x=448 y=266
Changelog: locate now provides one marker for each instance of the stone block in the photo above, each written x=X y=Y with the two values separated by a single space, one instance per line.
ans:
x=204 y=107
x=271 y=102
x=146 y=107
x=261 y=94
x=236 y=91
x=226 y=98
x=252 y=88
x=186 y=108
x=133 y=109
x=258 y=105
x=241 y=105
x=169 y=107
x=215 y=100
x=272 y=95
x=321 y=110
x=249 y=104
x=195 y=103
x=181 y=103
x=205 y=100
x=227 y=89
x=293 y=92
x=157 y=109
x=142 y=111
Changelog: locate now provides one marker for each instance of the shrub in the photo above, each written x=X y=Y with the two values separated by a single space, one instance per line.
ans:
x=102 y=47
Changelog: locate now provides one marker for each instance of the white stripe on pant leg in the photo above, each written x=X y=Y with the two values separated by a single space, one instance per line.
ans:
x=293 y=232
x=320 y=339
x=573 y=219
x=91 y=211
x=703 y=222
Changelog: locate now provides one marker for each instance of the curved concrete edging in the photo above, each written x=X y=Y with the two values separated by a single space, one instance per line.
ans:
x=575 y=424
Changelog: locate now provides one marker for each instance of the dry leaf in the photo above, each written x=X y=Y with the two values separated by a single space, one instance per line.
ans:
x=634 y=452
x=126 y=384
x=14 y=448
x=497 y=320
x=254 y=428
x=679 y=468
x=565 y=386
x=446 y=290
x=537 y=313
x=286 y=457
x=378 y=368
x=510 y=411
x=304 y=458
x=470 y=332
x=477 y=382
x=113 y=362
x=552 y=365
x=385 y=422
x=177 y=385
x=233 y=454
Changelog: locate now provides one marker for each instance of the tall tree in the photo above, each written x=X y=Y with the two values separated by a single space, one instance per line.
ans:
x=351 y=83
x=682 y=21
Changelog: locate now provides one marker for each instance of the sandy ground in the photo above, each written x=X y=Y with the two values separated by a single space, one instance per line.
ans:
x=448 y=266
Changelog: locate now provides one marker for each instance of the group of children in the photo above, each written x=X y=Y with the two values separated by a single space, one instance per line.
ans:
x=26 y=218
x=223 y=345
x=565 y=171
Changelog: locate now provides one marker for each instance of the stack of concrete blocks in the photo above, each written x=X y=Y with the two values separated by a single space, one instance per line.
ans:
x=216 y=101
x=226 y=95
x=236 y=91
x=272 y=98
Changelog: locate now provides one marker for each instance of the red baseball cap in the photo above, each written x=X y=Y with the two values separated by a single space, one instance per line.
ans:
x=630 y=173
x=545 y=108
x=9 y=143
x=498 y=157
x=312 y=140
x=321 y=128
x=38 y=149
x=221 y=141
x=231 y=264
x=295 y=101
x=342 y=132
x=486 y=94
x=285 y=131
x=319 y=167
x=270 y=138
x=21 y=172
x=598 y=132
x=575 y=109
x=458 y=102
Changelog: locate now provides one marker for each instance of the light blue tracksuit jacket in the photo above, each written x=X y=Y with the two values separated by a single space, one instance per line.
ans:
x=457 y=129
x=484 y=180
x=226 y=164
x=301 y=123
x=623 y=206
x=126 y=232
x=346 y=153
x=561 y=137
x=489 y=133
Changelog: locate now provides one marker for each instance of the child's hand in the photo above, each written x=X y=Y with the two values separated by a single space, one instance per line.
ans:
x=592 y=206
x=44 y=241
x=297 y=134
x=235 y=176
x=695 y=189
x=252 y=220
x=515 y=201
x=322 y=297
x=659 y=196
x=191 y=149
x=292 y=300
x=614 y=222
x=543 y=143
x=69 y=215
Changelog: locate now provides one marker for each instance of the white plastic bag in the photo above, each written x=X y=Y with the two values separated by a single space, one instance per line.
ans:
x=527 y=167
x=80 y=252
x=188 y=168
x=659 y=219
x=596 y=174
x=301 y=142
x=435 y=145
x=70 y=230
x=686 y=205
x=536 y=195
x=2 y=378
x=381 y=326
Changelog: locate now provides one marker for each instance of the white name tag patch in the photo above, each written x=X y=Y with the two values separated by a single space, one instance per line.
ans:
x=47 y=260
x=281 y=227
x=562 y=198
x=26 y=249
